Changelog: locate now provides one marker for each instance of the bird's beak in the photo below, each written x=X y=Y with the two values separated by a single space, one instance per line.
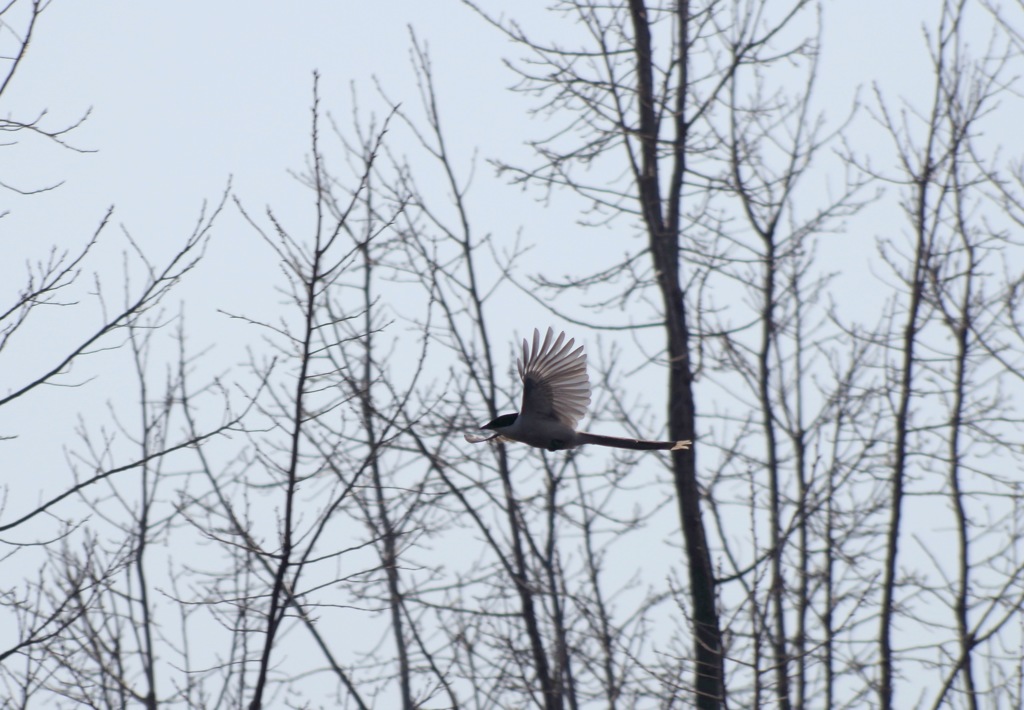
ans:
x=477 y=438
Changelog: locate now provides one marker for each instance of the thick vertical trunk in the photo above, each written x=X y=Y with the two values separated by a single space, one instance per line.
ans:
x=709 y=672
x=663 y=231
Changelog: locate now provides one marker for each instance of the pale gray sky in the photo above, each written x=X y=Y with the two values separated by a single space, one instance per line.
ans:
x=185 y=94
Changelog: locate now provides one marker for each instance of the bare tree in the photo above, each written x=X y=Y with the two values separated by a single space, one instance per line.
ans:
x=942 y=411
x=80 y=570
x=690 y=142
x=343 y=544
x=19 y=20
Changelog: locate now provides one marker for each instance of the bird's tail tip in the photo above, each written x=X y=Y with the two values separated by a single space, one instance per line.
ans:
x=681 y=445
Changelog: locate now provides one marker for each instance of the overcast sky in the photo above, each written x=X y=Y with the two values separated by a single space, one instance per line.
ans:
x=181 y=96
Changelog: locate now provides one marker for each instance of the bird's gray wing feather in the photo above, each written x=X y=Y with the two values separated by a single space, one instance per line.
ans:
x=555 y=382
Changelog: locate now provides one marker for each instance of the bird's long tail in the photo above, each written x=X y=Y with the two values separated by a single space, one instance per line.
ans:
x=637 y=444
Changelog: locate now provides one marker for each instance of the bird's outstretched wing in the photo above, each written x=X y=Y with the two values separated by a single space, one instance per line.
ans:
x=555 y=382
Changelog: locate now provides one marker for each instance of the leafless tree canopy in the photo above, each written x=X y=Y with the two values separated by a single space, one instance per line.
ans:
x=311 y=529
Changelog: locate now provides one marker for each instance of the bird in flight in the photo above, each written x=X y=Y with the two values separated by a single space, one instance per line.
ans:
x=556 y=392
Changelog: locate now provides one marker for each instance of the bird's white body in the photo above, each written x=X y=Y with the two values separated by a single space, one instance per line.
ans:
x=556 y=393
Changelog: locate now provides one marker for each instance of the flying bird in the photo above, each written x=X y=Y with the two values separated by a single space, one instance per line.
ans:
x=556 y=392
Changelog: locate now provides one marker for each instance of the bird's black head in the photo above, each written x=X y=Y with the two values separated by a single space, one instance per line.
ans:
x=501 y=422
